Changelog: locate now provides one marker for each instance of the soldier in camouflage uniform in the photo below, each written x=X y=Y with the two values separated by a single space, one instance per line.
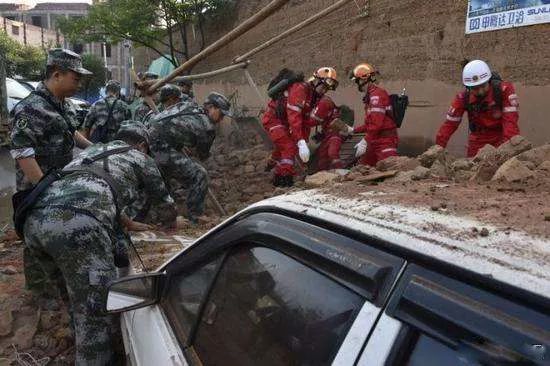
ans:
x=106 y=114
x=186 y=88
x=43 y=134
x=143 y=108
x=74 y=226
x=179 y=133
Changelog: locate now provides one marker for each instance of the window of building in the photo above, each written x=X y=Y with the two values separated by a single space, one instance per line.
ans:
x=78 y=48
x=15 y=30
x=107 y=50
x=37 y=21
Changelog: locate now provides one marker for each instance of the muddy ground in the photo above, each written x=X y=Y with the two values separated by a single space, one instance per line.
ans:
x=517 y=200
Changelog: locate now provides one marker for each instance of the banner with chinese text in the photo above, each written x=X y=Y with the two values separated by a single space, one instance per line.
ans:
x=488 y=15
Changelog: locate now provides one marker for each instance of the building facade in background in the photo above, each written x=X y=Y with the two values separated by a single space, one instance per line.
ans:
x=37 y=26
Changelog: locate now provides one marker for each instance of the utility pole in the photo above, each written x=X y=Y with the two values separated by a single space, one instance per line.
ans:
x=3 y=102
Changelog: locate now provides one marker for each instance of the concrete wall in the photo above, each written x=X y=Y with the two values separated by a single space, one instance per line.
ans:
x=419 y=45
x=30 y=34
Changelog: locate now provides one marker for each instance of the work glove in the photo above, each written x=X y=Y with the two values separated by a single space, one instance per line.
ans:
x=303 y=151
x=361 y=148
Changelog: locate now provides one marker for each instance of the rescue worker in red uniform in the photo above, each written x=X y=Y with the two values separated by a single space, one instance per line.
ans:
x=286 y=120
x=381 y=138
x=331 y=141
x=492 y=107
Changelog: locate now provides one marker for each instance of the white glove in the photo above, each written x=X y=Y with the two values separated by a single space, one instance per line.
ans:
x=303 y=151
x=361 y=148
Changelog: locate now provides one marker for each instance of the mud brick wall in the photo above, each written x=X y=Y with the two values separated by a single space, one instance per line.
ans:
x=417 y=45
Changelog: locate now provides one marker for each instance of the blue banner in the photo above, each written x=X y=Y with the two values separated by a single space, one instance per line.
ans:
x=488 y=15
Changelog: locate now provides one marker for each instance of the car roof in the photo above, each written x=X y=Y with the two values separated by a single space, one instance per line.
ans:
x=515 y=258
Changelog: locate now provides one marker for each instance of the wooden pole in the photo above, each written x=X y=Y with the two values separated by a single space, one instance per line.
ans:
x=294 y=29
x=212 y=73
x=244 y=27
x=261 y=96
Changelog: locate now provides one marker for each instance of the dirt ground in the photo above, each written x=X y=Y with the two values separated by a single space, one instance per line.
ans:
x=504 y=205
x=506 y=188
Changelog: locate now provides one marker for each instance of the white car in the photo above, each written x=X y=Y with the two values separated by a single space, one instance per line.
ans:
x=315 y=279
x=16 y=92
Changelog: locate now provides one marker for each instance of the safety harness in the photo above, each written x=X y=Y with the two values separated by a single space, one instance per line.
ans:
x=471 y=108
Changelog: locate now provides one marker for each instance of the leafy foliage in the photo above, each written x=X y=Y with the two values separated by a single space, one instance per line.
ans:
x=22 y=60
x=91 y=85
x=159 y=25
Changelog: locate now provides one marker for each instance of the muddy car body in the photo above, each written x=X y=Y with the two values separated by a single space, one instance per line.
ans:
x=310 y=278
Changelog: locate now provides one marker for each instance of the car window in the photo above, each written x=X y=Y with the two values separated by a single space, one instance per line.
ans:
x=16 y=90
x=451 y=322
x=427 y=351
x=267 y=308
x=185 y=294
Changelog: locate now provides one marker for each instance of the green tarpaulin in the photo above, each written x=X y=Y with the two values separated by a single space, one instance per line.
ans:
x=161 y=66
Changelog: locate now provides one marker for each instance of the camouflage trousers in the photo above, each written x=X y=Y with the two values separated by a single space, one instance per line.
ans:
x=76 y=250
x=190 y=174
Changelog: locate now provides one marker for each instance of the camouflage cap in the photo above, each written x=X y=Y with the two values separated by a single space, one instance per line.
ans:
x=67 y=60
x=220 y=101
x=133 y=128
x=112 y=85
x=184 y=82
x=168 y=91
x=148 y=75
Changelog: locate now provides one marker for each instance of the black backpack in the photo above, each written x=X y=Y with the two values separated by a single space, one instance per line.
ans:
x=399 y=104
x=279 y=84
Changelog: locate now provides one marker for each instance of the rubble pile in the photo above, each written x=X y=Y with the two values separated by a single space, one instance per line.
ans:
x=29 y=336
x=237 y=169
x=515 y=161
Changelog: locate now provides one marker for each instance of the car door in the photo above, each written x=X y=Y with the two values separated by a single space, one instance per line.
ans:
x=273 y=290
x=434 y=319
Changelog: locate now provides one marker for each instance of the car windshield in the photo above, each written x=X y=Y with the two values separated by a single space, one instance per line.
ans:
x=16 y=90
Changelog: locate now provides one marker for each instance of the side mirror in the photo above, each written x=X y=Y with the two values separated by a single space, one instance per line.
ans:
x=133 y=292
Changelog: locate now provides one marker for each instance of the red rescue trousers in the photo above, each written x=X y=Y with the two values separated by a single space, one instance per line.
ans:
x=476 y=140
x=284 y=150
x=329 y=153
x=379 y=149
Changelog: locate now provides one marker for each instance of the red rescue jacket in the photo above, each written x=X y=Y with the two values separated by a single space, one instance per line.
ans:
x=298 y=101
x=488 y=119
x=379 y=121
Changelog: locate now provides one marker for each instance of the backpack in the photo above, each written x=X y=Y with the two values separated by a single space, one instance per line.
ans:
x=399 y=104
x=101 y=133
x=24 y=201
x=279 y=84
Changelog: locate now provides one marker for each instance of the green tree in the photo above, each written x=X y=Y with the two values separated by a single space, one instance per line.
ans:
x=92 y=84
x=159 y=25
x=22 y=60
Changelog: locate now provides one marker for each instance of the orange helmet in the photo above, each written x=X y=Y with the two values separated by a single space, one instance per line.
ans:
x=363 y=72
x=327 y=75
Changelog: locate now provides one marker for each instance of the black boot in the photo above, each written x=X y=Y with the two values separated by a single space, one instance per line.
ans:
x=278 y=181
x=288 y=181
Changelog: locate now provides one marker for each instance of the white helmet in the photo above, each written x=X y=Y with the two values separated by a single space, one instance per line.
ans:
x=475 y=73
